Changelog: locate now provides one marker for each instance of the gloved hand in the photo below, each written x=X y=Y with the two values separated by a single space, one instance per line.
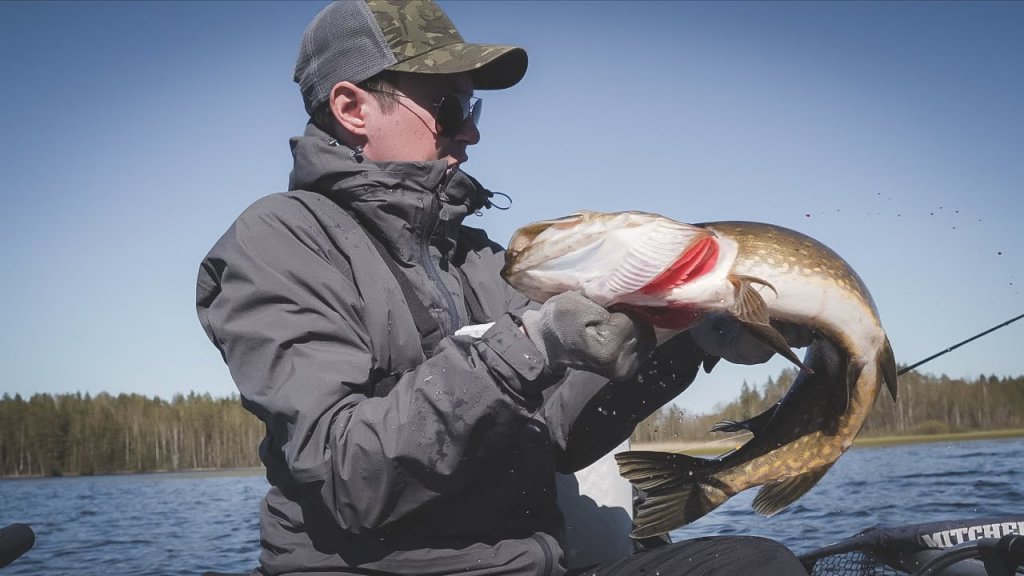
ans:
x=723 y=336
x=572 y=331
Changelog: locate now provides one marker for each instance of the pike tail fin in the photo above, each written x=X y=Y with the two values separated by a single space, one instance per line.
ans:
x=677 y=490
x=775 y=496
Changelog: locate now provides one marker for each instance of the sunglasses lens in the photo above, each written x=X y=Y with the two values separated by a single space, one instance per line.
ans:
x=449 y=116
x=453 y=111
x=477 y=110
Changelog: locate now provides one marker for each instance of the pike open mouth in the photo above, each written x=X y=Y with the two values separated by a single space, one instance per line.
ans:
x=526 y=236
x=695 y=261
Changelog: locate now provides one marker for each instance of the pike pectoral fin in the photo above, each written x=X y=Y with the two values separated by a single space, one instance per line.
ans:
x=887 y=367
x=676 y=488
x=774 y=497
x=752 y=312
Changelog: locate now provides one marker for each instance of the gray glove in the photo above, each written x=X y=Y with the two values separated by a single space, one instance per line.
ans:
x=572 y=331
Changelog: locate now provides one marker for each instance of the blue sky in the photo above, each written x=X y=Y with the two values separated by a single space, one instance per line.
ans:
x=132 y=134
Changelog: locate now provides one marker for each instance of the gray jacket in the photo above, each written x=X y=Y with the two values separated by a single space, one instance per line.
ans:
x=453 y=470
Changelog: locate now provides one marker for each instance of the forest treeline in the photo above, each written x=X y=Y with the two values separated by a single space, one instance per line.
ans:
x=925 y=404
x=84 y=434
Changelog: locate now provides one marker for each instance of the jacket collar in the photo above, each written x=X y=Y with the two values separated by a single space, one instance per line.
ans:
x=397 y=201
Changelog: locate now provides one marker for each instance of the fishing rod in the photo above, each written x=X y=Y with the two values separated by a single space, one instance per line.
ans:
x=955 y=346
x=932 y=357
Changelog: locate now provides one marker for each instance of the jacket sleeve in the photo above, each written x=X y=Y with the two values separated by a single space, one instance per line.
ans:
x=589 y=416
x=273 y=298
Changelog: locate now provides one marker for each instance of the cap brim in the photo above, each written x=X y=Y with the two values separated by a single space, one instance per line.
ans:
x=493 y=67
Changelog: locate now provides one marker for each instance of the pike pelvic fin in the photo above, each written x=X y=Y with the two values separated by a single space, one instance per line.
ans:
x=774 y=497
x=752 y=312
x=676 y=487
x=887 y=368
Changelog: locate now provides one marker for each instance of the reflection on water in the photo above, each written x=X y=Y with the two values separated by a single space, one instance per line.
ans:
x=191 y=522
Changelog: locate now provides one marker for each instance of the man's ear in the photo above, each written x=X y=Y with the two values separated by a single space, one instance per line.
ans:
x=348 y=103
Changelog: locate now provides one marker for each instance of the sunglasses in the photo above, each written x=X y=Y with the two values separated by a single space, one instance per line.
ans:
x=452 y=111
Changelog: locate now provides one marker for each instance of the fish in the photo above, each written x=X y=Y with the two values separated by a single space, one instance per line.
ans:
x=781 y=286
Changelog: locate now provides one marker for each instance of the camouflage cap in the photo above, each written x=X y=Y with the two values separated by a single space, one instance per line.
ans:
x=352 y=40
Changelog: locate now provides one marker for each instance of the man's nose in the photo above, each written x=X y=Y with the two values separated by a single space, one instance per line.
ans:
x=468 y=133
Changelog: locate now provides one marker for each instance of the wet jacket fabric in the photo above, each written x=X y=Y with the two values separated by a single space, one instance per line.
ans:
x=453 y=470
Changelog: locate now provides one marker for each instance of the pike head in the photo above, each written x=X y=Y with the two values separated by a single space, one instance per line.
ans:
x=607 y=256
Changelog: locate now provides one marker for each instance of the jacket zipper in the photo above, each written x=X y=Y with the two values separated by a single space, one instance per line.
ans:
x=433 y=215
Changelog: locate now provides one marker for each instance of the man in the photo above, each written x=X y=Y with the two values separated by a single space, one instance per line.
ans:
x=395 y=446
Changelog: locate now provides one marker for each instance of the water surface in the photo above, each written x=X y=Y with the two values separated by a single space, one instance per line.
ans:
x=190 y=522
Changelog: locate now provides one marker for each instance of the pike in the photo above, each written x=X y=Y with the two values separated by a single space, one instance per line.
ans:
x=769 y=279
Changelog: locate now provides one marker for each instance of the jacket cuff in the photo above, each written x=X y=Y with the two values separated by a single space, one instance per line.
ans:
x=511 y=353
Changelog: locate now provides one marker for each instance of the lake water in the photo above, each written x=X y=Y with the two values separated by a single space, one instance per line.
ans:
x=191 y=522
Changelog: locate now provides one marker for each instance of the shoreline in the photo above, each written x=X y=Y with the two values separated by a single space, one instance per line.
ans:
x=695 y=448
x=715 y=447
